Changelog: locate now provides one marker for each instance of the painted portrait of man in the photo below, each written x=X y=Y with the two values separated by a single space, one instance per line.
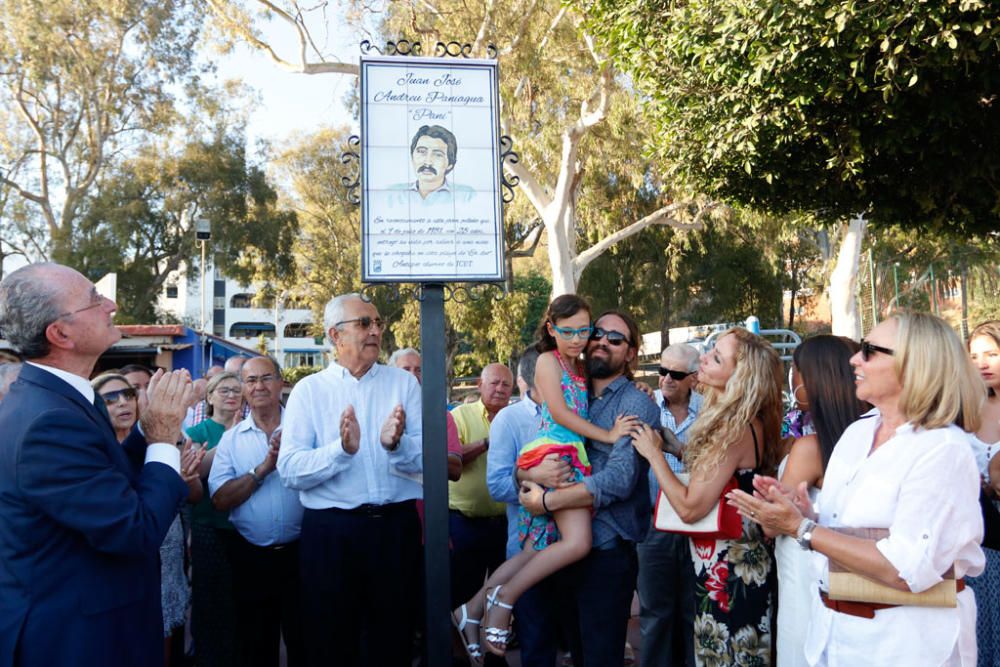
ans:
x=433 y=156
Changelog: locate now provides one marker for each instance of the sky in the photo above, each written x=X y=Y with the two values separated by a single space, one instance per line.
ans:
x=289 y=102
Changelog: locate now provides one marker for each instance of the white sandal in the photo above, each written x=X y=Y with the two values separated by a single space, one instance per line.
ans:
x=471 y=648
x=497 y=638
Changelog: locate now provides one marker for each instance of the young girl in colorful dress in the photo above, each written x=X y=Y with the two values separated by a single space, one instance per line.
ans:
x=549 y=543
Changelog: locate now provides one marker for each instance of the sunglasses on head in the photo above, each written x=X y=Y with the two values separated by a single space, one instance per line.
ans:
x=569 y=333
x=676 y=375
x=112 y=397
x=615 y=338
x=867 y=349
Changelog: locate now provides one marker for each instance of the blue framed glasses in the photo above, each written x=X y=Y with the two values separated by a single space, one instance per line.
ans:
x=569 y=333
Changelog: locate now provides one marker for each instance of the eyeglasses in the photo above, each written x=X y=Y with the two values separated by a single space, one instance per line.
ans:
x=676 y=375
x=568 y=333
x=97 y=304
x=868 y=348
x=365 y=322
x=254 y=379
x=112 y=397
x=230 y=391
x=615 y=338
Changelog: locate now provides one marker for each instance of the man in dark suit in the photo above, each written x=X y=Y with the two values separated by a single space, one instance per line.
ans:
x=81 y=516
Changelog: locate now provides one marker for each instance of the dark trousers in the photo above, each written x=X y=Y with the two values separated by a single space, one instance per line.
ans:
x=598 y=591
x=213 y=617
x=359 y=575
x=478 y=546
x=268 y=606
x=536 y=620
x=666 y=598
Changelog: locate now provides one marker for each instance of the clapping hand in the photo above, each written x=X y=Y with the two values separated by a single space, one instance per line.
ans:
x=350 y=431
x=168 y=397
x=392 y=429
x=270 y=462
x=191 y=457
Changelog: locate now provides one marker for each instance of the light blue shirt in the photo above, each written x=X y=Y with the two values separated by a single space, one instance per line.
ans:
x=312 y=459
x=272 y=514
x=680 y=430
x=512 y=428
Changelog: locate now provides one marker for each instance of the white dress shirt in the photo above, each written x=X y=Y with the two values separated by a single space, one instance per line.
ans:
x=924 y=487
x=156 y=452
x=272 y=514
x=312 y=458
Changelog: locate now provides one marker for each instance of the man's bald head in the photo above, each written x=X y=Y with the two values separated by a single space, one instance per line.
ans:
x=496 y=383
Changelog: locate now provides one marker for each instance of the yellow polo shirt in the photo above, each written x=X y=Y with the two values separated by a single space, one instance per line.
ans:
x=470 y=495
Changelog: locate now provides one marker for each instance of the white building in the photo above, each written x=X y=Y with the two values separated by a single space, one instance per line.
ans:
x=231 y=314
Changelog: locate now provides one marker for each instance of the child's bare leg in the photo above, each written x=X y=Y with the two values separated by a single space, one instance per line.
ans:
x=574 y=544
x=475 y=605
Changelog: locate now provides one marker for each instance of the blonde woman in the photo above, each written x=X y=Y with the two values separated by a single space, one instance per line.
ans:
x=736 y=433
x=906 y=468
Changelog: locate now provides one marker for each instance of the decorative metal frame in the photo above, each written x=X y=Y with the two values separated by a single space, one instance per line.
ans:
x=403 y=47
x=507 y=154
x=351 y=159
x=351 y=180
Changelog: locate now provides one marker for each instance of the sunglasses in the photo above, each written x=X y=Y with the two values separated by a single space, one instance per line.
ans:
x=676 y=375
x=365 y=322
x=615 y=338
x=867 y=349
x=112 y=397
x=568 y=333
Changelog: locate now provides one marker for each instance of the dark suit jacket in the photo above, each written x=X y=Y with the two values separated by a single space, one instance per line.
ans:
x=81 y=522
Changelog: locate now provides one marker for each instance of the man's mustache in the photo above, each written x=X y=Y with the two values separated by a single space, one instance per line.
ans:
x=427 y=169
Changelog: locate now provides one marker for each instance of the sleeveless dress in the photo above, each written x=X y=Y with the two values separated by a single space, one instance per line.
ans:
x=795 y=577
x=733 y=589
x=987 y=585
x=554 y=438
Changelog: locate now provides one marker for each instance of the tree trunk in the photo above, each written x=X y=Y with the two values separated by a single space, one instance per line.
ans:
x=561 y=253
x=843 y=281
x=791 y=300
x=665 y=316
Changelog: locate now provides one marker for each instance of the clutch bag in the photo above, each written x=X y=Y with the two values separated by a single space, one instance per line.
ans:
x=853 y=587
x=722 y=522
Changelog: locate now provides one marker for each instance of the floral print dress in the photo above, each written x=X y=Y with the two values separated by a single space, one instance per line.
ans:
x=733 y=595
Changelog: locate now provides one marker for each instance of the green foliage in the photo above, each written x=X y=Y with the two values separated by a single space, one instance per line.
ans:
x=135 y=223
x=831 y=105
x=327 y=250
x=293 y=375
x=81 y=80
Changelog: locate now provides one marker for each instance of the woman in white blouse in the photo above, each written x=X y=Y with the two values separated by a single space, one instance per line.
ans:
x=906 y=467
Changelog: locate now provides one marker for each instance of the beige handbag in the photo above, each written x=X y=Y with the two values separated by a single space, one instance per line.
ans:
x=853 y=587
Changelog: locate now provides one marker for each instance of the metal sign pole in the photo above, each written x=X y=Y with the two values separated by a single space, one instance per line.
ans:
x=436 y=559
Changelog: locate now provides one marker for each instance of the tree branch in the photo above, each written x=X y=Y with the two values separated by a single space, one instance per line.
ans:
x=531 y=188
x=484 y=27
x=662 y=216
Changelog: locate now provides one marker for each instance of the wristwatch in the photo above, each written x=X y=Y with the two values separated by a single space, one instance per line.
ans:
x=804 y=534
x=257 y=478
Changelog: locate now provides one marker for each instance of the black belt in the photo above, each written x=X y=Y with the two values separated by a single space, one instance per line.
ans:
x=373 y=511
x=269 y=547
